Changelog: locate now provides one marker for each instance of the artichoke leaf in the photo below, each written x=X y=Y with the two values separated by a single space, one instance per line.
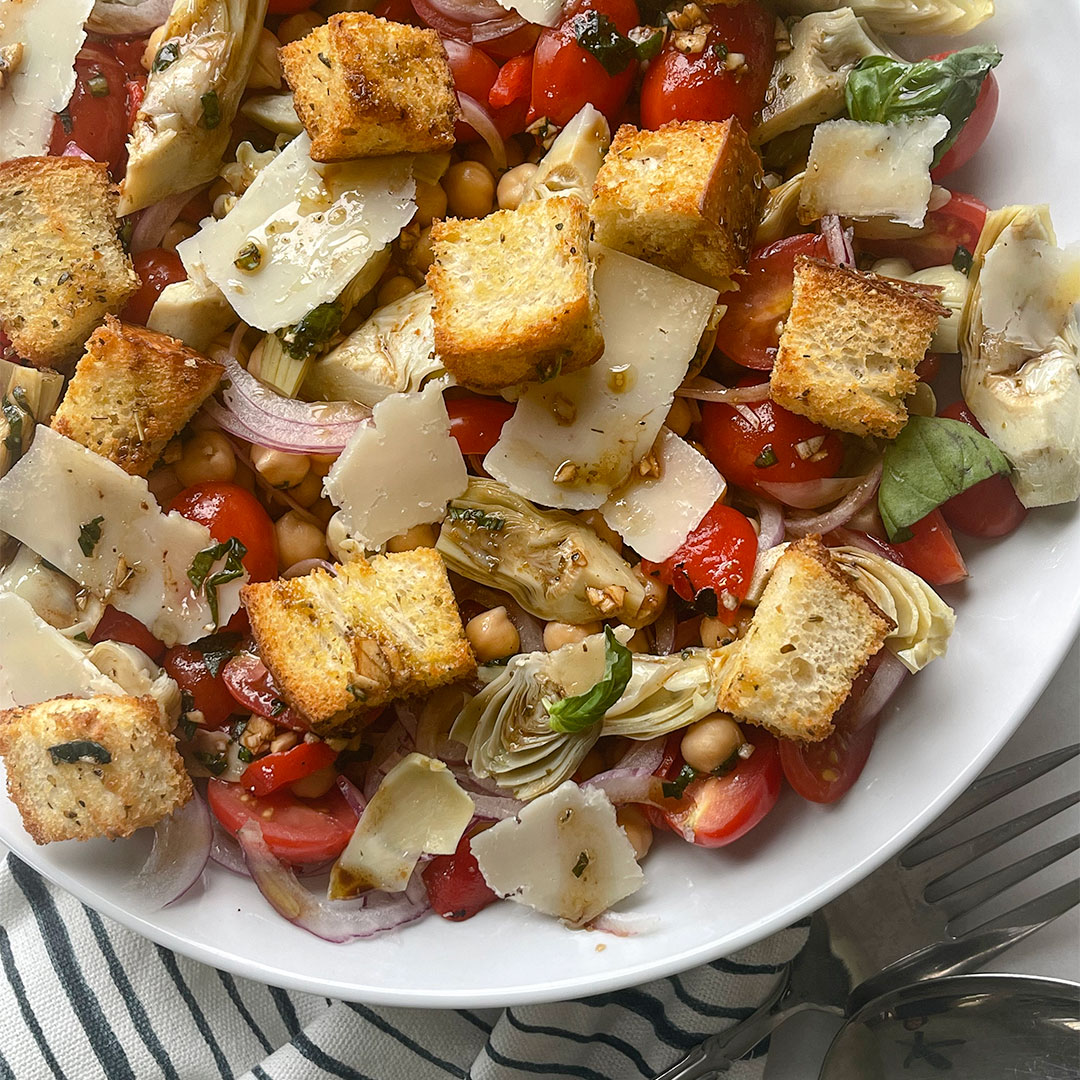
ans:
x=950 y=17
x=184 y=124
x=780 y=217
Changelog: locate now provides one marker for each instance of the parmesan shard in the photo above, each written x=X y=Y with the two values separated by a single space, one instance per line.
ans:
x=541 y=12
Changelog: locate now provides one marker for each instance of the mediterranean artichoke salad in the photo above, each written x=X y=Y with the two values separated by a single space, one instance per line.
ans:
x=505 y=434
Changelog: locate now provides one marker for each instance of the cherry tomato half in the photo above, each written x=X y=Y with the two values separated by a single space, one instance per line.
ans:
x=119 y=626
x=474 y=74
x=297 y=831
x=273 y=771
x=701 y=86
x=254 y=690
x=931 y=552
x=717 y=557
x=973 y=133
x=455 y=887
x=990 y=508
x=208 y=692
x=957 y=224
x=476 y=422
x=156 y=268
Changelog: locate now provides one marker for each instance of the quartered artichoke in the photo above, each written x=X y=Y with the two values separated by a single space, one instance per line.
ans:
x=1020 y=345
x=571 y=165
x=548 y=561
x=905 y=16
x=185 y=121
x=780 y=216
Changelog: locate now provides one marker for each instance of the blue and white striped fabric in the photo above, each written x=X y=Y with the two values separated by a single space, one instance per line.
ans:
x=84 y=999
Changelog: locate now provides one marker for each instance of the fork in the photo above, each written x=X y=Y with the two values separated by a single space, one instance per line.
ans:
x=844 y=963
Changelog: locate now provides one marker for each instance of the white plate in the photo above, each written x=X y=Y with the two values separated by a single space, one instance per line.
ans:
x=1017 y=615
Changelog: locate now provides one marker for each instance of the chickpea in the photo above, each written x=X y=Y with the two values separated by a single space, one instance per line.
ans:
x=323 y=510
x=308 y=491
x=394 y=289
x=297 y=26
x=715 y=633
x=492 y=635
x=419 y=536
x=707 y=744
x=279 y=469
x=422 y=254
x=298 y=539
x=315 y=784
x=207 y=455
x=342 y=546
x=595 y=520
x=637 y=828
x=470 y=189
x=680 y=416
x=176 y=233
x=321 y=464
x=430 y=203
x=558 y=634
x=512 y=185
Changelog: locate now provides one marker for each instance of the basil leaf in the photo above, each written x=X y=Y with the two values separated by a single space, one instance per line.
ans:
x=598 y=35
x=216 y=650
x=574 y=714
x=880 y=89
x=932 y=460
x=89 y=535
x=70 y=753
x=199 y=571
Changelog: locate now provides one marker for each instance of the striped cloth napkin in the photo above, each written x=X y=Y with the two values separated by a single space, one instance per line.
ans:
x=85 y=999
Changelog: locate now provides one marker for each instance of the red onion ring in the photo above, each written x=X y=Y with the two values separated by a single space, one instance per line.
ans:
x=493 y=29
x=644 y=755
x=305 y=566
x=182 y=843
x=153 y=223
x=837 y=241
x=74 y=150
x=841 y=513
x=128 y=18
x=495 y=807
x=810 y=494
x=479 y=119
x=770 y=524
x=885 y=681
x=225 y=851
x=701 y=389
x=664 y=631
x=468 y=12
x=634 y=786
x=353 y=795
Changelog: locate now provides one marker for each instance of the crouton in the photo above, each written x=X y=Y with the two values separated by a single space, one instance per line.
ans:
x=513 y=293
x=364 y=87
x=340 y=646
x=850 y=347
x=62 y=266
x=97 y=766
x=811 y=635
x=132 y=392
x=686 y=197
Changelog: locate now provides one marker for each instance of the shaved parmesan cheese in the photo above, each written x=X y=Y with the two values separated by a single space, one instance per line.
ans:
x=314 y=227
x=417 y=809
x=104 y=529
x=862 y=170
x=655 y=514
x=574 y=440
x=399 y=471
x=563 y=855
x=49 y=34
x=541 y=12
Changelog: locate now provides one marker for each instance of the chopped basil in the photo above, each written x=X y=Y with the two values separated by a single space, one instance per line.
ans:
x=720 y=51
x=215 y=763
x=15 y=417
x=245 y=755
x=767 y=458
x=211 y=110
x=673 y=789
x=81 y=636
x=188 y=728
x=881 y=89
x=728 y=765
x=89 y=536
x=127 y=228
x=649 y=46
x=581 y=864
x=168 y=54
x=199 y=571
x=98 y=85
x=706 y=601
x=932 y=460
x=248 y=258
x=961 y=259
x=313 y=331
x=278 y=707
x=217 y=649
x=66 y=122
x=597 y=34
x=573 y=714
x=77 y=750
x=238 y=727
x=477 y=518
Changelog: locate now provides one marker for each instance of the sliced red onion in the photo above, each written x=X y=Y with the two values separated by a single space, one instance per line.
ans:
x=479 y=119
x=493 y=29
x=810 y=494
x=225 y=851
x=182 y=843
x=625 y=923
x=305 y=566
x=702 y=389
x=770 y=524
x=74 y=150
x=469 y=12
x=885 y=681
x=152 y=223
x=353 y=795
x=495 y=807
x=128 y=18
x=633 y=786
x=837 y=241
x=842 y=512
x=644 y=755
x=664 y=631
x=331 y=920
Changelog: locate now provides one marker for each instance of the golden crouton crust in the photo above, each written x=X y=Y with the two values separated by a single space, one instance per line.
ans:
x=340 y=646
x=62 y=266
x=513 y=295
x=143 y=783
x=132 y=392
x=364 y=86
x=686 y=196
x=850 y=347
x=811 y=635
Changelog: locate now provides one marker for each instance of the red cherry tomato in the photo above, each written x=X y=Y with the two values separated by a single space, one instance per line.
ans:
x=119 y=626
x=973 y=133
x=288 y=7
x=760 y=442
x=749 y=332
x=297 y=831
x=96 y=119
x=455 y=887
x=253 y=688
x=718 y=556
x=990 y=508
x=931 y=552
x=824 y=771
x=957 y=224
x=565 y=76
x=208 y=692
x=156 y=268
x=514 y=82
x=474 y=74
x=723 y=808
x=267 y=774
x=700 y=86
x=476 y=422
x=928 y=367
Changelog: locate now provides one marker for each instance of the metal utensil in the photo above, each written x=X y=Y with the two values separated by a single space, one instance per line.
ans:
x=853 y=956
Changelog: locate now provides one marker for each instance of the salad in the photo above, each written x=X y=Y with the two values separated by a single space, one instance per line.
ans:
x=464 y=444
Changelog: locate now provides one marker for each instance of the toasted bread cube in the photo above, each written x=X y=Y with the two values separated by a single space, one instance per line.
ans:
x=686 y=197
x=811 y=635
x=128 y=775
x=850 y=347
x=513 y=293
x=364 y=87
x=132 y=392
x=339 y=646
x=62 y=266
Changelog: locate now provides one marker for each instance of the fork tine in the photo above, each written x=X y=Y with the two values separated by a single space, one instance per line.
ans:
x=937 y=844
x=955 y=898
x=989 y=789
x=1030 y=915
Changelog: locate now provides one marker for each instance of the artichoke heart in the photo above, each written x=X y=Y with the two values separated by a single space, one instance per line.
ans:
x=905 y=16
x=184 y=124
x=549 y=562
